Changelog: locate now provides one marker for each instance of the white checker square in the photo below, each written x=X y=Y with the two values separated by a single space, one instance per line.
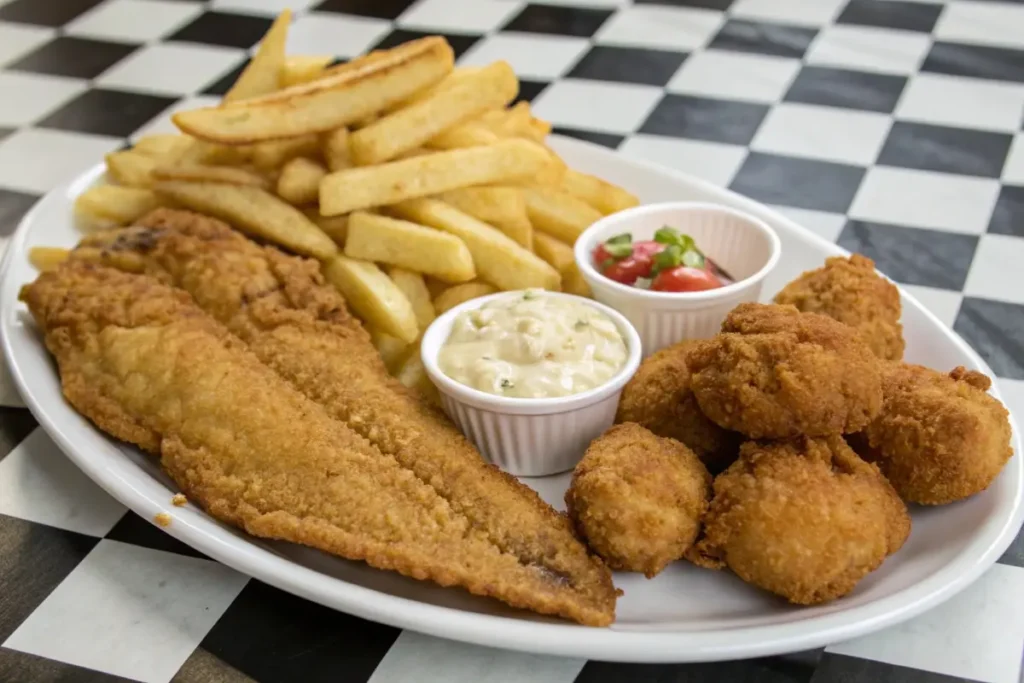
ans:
x=962 y=102
x=334 y=34
x=606 y=4
x=39 y=484
x=975 y=635
x=458 y=16
x=866 y=48
x=163 y=124
x=133 y=21
x=925 y=199
x=268 y=8
x=943 y=303
x=983 y=23
x=713 y=161
x=822 y=223
x=797 y=12
x=28 y=97
x=36 y=160
x=130 y=611
x=844 y=136
x=171 y=68
x=1013 y=167
x=531 y=55
x=655 y=27
x=597 y=106
x=997 y=263
x=735 y=76
x=19 y=39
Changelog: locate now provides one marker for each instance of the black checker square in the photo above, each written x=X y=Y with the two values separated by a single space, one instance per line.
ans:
x=608 y=140
x=996 y=331
x=13 y=205
x=21 y=666
x=221 y=28
x=896 y=14
x=459 y=42
x=74 y=57
x=700 y=118
x=1014 y=555
x=787 y=669
x=1008 y=214
x=846 y=89
x=221 y=86
x=950 y=150
x=835 y=668
x=764 y=38
x=15 y=425
x=628 y=65
x=45 y=12
x=107 y=112
x=528 y=90
x=700 y=4
x=809 y=184
x=379 y=9
x=563 y=21
x=135 y=530
x=975 y=61
x=913 y=256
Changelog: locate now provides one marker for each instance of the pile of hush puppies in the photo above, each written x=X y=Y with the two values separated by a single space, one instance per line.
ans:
x=787 y=447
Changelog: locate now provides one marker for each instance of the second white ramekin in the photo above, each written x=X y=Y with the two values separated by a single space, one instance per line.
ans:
x=530 y=437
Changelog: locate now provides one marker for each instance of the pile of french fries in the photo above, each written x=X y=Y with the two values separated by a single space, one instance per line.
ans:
x=415 y=183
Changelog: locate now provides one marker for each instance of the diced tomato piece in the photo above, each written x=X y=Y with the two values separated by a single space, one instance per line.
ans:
x=601 y=256
x=648 y=248
x=629 y=269
x=685 y=279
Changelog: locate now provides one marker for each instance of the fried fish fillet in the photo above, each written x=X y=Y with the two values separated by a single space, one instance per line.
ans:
x=145 y=364
x=300 y=327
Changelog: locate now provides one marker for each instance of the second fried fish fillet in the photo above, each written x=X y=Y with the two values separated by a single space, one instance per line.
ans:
x=300 y=327
x=141 y=361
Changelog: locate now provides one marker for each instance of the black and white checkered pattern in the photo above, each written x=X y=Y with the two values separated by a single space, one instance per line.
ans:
x=892 y=127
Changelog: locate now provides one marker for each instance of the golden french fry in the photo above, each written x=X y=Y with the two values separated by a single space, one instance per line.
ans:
x=559 y=214
x=113 y=204
x=263 y=73
x=130 y=168
x=511 y=122
x=498 y=259
x=299 y=182
x=253 y=210
x=233 y=175
x=373 y=296
x=457 y=74
x=415 y=289
x=336 y=227
x=573 y=282
x=407 y=245
x=435 y=287
x=601 y=195
x=334 y=145
x=469 y=134
x=203 y=152
x=501 y=206
x=366 y=86
x=560 y=256
x=408 y=128
x=453 y=296
x=392 y=182
x=163 y=146
x=303 y=68
x=277 y=152
x=413 y=375
x=45 y=259
x=393 y=351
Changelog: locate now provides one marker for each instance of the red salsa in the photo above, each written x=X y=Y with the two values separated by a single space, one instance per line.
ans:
x=671 y=262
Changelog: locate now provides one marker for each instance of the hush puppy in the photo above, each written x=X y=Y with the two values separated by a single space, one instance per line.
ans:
x=775 y=372
x=659 y=398
x=637 y=498
x=940 y=437
x=850 y=291
x=805 y=519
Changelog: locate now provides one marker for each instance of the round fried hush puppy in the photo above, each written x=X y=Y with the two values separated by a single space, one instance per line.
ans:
x=775 y=372
x=850 y=291
x=659 y=398
x=805 y=519
x=637 y=498
x=939 y=438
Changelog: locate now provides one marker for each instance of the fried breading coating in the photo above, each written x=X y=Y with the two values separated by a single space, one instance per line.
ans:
x=850 y=291
x=940 y=437
x=659 y=398
x=638 y=498
x=805 y=519
x=774 y=372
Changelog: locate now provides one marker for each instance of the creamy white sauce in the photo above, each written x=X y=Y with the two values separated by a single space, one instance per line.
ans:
x=533 y=346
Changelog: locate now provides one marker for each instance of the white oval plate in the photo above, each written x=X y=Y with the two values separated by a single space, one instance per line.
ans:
x=685 y=614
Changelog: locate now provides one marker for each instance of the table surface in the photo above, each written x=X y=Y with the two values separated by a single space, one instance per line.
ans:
x=893 y=128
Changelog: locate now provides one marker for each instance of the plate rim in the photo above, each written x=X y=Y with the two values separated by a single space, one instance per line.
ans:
x=247 y=556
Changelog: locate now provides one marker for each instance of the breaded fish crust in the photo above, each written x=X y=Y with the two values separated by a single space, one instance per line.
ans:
x=146 y=365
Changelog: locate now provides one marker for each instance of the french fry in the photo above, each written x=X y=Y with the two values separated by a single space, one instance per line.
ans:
x=373 y=296
x=453 y=296
x=253 y=210
x=335 y=227
x=105 y=205
x=501 y=206
x=233 y=175
x=499 y=261
x=560 y=256
x=405 y=129
x=559 y=214
x=277 y=152
x=203 y=152
x=457 y=74
x=539 y=129
x=413 y=375
x=303 y=68
x=414 y=287
x=299 y=182
x=45 y=259
x=393 y=351
x=263 y=73
x=435 y=287
x=469 y=134
x=601 y=195
x=367 y=85
x=164 y=147
x=511 y=122
x=392 y=182
x=574 y=283
x=334 y=145
x=407 y=245
x=129 y=168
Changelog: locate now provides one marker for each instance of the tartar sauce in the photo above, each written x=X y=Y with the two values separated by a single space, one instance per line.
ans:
x=533 y=346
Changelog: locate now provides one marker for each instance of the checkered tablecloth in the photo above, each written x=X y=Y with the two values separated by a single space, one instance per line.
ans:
x=893 y=128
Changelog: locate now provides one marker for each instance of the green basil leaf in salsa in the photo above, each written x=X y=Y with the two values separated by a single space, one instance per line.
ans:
x=619 y=246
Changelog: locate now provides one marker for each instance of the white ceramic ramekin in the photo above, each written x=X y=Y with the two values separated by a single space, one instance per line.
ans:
x=744 y=246
x=529 y=437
